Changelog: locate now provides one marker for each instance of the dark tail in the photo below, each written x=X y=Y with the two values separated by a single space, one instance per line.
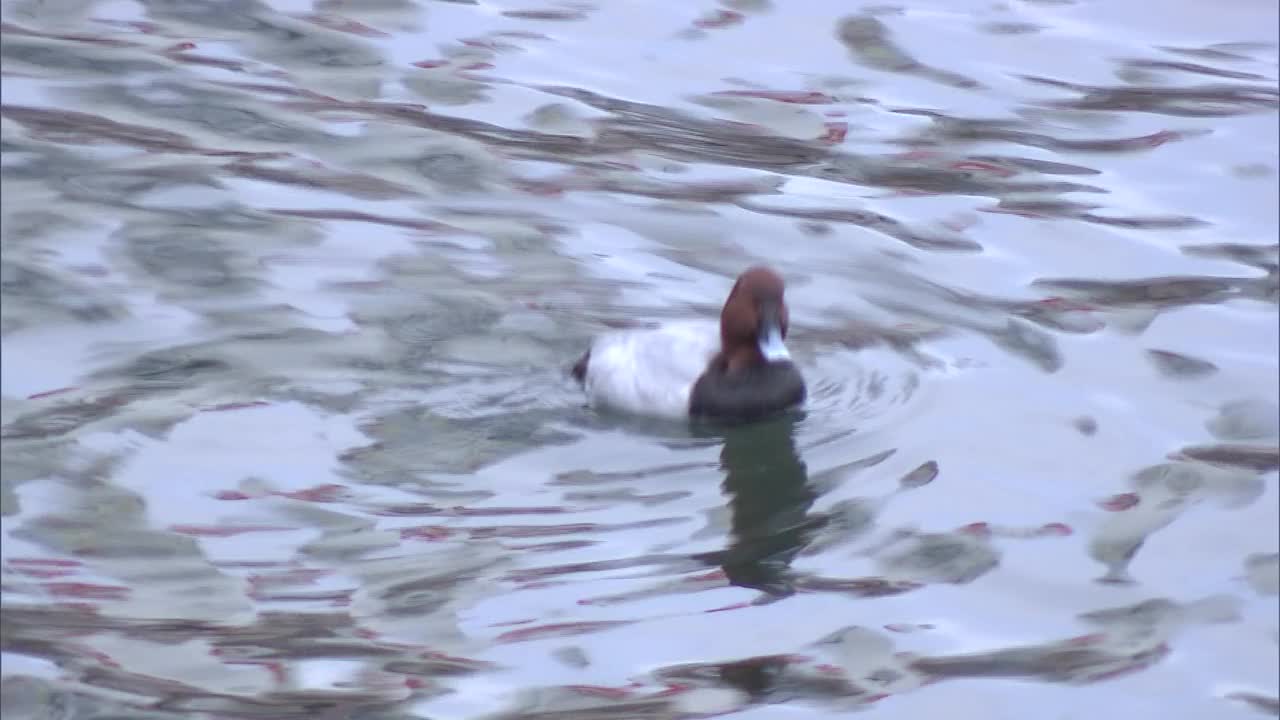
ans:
x=579 y=370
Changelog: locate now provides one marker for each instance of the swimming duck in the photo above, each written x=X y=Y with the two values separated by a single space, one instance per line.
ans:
x=741 y=372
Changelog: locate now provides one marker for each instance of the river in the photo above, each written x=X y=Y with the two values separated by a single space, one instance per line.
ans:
x=291 y=290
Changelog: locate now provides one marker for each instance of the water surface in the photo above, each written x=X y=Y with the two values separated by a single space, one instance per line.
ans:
x=290 y=291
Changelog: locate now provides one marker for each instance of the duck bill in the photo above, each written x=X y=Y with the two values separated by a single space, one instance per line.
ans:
x=770 y=336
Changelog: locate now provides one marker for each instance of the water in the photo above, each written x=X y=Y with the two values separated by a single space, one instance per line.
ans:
x=290 y=292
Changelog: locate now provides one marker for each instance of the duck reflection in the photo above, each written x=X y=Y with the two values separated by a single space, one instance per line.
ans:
x=769 y=498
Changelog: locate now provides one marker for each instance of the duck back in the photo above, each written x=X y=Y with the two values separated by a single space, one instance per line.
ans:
x=650 y=372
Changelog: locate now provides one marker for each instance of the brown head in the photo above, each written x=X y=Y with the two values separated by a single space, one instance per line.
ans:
x=754 y=320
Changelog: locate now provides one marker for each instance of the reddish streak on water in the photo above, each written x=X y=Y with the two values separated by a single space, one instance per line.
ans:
x=89 y=591
x=342 y=24
x=94 y=654
x=1121 y=502
x=50 y=393
x=522 y=34
x=527 y=531
x=799 y=97
x=437 y=655
x=274 y=667
x=326 y=493
x=236 y=406
x=487 y=44
x=1064 y=305
x=734 y=606
x=602 y=691
x=294 y=576
x=673 y=689
x=1010 y=211
x=146 y=28
x=559 y=630
x=719 y=19
x=551 y=546
x=1145 y=661
x=225 y=530
x=912 y=155
x=1056 y=529
x=913 y=628
x=986 y=167
x=836 y=132
x=498 y=511
x=44 y=573
x=1157 y=139
x=232 y=495
x=336 y=598
x=1086 y=640
x=425 y=532
x=44 y=569
x=45 y=562
x=512 y=623
x=74 y=37
x=177 y=53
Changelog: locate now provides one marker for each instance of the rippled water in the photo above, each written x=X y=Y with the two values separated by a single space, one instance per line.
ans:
x=290 y=291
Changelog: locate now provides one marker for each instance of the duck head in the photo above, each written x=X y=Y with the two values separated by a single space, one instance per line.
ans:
x=752 y=376
x=753 y=322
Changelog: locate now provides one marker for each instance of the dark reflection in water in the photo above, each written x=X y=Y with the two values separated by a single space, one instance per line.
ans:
x=870 y=44
x=769 y=497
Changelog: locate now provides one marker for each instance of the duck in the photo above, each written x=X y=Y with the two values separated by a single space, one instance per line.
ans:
x=737 y=370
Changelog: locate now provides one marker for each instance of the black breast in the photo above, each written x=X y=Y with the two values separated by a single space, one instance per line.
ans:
x=748 y=394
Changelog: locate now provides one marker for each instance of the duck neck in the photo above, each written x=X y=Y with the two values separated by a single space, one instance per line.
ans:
x=741 y=358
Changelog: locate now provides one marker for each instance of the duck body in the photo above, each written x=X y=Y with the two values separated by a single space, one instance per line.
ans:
x=650 y=371
x=736 y=370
